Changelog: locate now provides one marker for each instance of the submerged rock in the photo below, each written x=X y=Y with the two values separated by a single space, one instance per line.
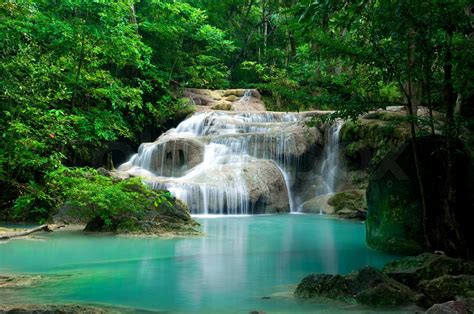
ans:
x=53 y=309
x=367 y=286
x=14 y=281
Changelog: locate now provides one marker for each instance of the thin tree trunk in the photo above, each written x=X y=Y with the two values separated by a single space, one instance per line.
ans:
x=78 y=73
x=430 y=104
x=412 y=119
x=448 y=97
x=428 y=77
x=264 y=27
x=47 y=228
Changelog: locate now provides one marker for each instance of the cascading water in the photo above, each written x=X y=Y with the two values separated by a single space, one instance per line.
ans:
x=215 y=161
x=246 y=98
x=329 y=167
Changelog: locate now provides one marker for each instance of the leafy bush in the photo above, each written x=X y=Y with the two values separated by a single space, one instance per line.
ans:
x=90 y=196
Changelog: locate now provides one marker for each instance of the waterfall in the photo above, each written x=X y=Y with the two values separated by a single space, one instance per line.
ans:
x=216 y=162
x=246 y=98
x=330 y=163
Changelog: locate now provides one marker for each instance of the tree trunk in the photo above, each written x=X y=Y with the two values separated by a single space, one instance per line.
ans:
x=264 y=26
x=412 y=118
x=449 y=103
x=78 y=72
x=47 y=228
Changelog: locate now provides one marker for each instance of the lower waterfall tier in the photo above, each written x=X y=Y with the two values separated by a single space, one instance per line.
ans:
x=221 y=162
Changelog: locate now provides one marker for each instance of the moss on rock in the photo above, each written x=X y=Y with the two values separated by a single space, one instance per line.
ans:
x=222 y=106
x=367 y=286
x=414 y=269
x=349 y=204
x=447 y=288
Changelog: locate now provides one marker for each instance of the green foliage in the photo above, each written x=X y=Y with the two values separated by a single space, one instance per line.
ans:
x=77 y=75
x=89 y=195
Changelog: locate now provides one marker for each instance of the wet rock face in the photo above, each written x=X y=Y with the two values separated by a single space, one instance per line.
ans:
x=170 y=157
x=255 y=187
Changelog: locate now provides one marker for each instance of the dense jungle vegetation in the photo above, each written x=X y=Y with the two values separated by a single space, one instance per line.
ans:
x=78 y=75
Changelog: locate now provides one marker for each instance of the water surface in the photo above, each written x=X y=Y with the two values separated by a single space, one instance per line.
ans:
x=239 y=264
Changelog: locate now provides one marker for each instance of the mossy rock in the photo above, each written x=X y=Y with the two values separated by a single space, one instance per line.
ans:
x=367 y=286
x=222 y=106
x=366 y=141
x=386 y=294
x=395 y=215
x=447 y=288
x=231 y=98
x=160 y=214
x=386 y=115
x=352 y=200
x=233 y=92
x=324 y=286
x=414 y=269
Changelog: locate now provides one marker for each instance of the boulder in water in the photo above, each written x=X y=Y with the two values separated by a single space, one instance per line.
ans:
x=367 y=286
x=266 y=187
x=447 y=288
x=347 y=204
x=414 y=269
x=318 y=205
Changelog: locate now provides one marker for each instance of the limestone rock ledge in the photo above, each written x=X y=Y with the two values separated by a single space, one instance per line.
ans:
x=228 y=99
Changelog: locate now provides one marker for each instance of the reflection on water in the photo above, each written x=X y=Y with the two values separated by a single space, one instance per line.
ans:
x=240 y=261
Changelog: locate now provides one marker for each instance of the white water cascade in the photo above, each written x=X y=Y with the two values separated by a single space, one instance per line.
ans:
x=329 y=168
x=226 y=162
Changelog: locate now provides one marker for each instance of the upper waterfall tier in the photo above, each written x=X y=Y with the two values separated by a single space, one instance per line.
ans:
x=229 y=162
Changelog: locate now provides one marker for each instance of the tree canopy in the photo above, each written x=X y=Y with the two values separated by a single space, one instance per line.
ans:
x=79 y=75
